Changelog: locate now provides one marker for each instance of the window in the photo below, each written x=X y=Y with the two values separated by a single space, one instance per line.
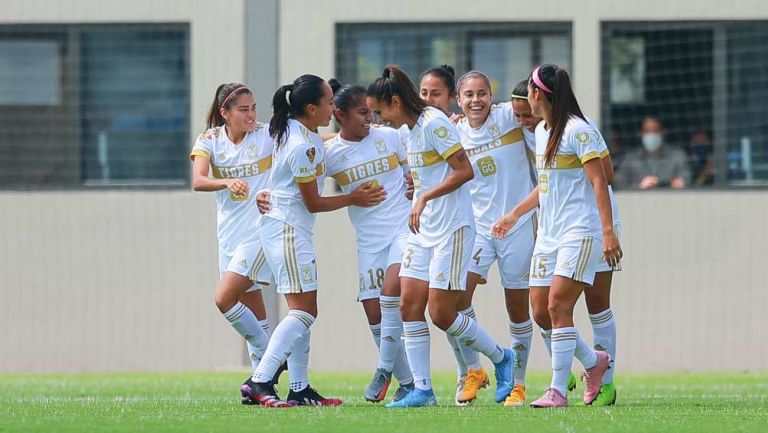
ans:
x=707 y=84
x=94 y=105
x=504 y=51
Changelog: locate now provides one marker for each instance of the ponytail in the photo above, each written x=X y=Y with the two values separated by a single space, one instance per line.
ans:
x=394 y=82
x=555 y=83
x=225 y=97
x=345 y=96
x=290 y=101
x=446 y=74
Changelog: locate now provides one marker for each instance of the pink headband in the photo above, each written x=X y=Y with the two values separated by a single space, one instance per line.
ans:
x=231 y=94
x=540 y=84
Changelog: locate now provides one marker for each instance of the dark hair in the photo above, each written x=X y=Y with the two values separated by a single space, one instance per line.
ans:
x=345 y=96
x=564 y=104
x=394 y=82
x=225 y=97
x=521 y=90
x=291 y=100
x=446 y=74
x=473 y=74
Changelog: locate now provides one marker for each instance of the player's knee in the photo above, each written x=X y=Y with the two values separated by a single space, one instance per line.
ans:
x=224 y=301
x=558 y=310
x=442 y=319
x=542 y=318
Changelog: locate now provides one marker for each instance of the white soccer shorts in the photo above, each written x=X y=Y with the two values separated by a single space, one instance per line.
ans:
x=371 y=267
x=444 y=265
x=248 y=260
x=576 y=259
x=291 y=256
x=512 y=252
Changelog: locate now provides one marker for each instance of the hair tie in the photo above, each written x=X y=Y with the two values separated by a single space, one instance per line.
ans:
x=525 y=98
x=539 y=83
x=288 y=97
x=231 y=94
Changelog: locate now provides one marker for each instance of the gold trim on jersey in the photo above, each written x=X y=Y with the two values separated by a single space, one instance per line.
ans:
x=319 y=171
x=424 y=159
x=604 y=153
x=199 y=152
x=590 y=156
x=561 y=162
x=531 y=155
x=451 y=150
x=244 y=170
x=511 y=137
x=366 y=170
x=456 y=259
x=289 y=258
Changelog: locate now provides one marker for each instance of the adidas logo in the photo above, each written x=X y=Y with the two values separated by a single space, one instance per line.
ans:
x=470 y=342
x=287 y=354
x=440 y=277
x=600 y=347
x=243 y=263
x=519 y=347
x=255 y=357
x=389 y=339
x=248 y=337
x=344 y=158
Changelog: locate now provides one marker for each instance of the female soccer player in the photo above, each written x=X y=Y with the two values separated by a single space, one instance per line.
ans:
x=494 y=142
x=576 y=224
x=437 y=87
x=357 y=156
x=598 y=295
x=238 y=150
x=434 y=265
x=298 y=175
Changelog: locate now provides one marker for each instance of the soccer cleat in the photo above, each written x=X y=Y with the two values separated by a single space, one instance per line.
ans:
x=571 y=382
x=606 y=396
x=473 y=382
x=503 y=373
x=245 y=396
x=377 y=389
x=263 y=394
x=516 y=397
x=310 y=397
x=403 y=390
x=593 y=377
x=459 y=388
x=416 y=398
x=551 y=398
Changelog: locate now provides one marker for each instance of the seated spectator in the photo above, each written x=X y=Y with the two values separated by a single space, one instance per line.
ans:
x=702 y=158
x=655 y=164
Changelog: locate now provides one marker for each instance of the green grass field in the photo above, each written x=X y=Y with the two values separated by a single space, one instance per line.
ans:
x=186 y=402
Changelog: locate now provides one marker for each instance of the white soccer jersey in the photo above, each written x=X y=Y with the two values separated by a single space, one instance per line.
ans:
x=377 y=158
x=497 y=152
x=300 y=160
x=432 y=140
x=237 y=217
x=566 y=198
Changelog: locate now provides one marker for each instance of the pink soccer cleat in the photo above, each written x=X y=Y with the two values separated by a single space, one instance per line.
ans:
x=594 y=376
x=551 y=398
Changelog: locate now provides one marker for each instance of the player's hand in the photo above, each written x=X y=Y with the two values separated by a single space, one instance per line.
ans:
x=367 y=195
x=677 y=183
x=413 y=219
x=408 y=186
x=455 y=117
x=504 y=224
x=611 y=249
x=237 y=187
x=262 y=201
x=649 y=182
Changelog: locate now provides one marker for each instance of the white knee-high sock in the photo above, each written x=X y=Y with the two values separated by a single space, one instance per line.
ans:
x=416 y=336
x=585 y=353
x=471 y=357
x=461 y=366
x=604 y=331
x=376 y=333
x=546 y=335
x=254 y=352
x=521 y=335
x=563 y=347
x=290 y=330
x=402 y=371
x=391 y=332
x=245 y=323
x=298 y=362
x=469 y=333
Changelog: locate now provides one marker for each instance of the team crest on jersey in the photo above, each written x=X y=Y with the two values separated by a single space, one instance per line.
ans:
x=494 y=130
x=380 y=145
x=582 y=137
x=311 y=152
x=441 y=132
x=306 y=274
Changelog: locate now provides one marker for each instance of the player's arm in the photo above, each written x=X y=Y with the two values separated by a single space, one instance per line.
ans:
x=504 y=224
x=201 y=181
x=365 y=195
x=593 y=169
x=607 y=168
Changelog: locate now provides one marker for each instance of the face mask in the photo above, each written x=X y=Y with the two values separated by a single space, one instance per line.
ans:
x=651 y=141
